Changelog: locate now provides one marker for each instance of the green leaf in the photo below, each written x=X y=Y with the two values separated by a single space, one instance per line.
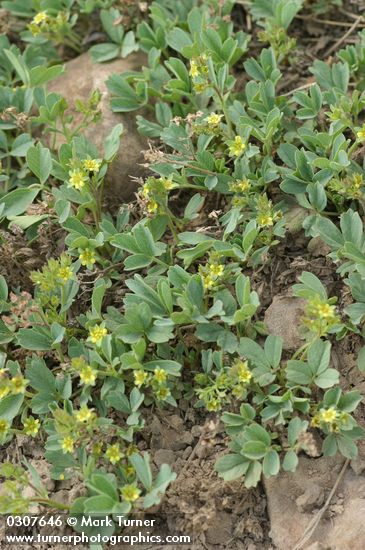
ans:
x=254 y=450
x=40 y=162
x=104 y=52
x=178 y=39
x=102 y=485
x=101 y=504
x=40 y=377
x=271 y=464
x=10 y=406
x=33 y=339
x=231 y=466
x=3 y=288
x=41 y=75
x=17 y=201
x=290 y=461
x=349 y=401
x=112 y=142
x=252 y=351
x=143 y=469
x=253 y=474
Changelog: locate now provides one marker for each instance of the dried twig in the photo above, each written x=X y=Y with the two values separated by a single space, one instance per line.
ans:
x=343 y=38
x=312 y=526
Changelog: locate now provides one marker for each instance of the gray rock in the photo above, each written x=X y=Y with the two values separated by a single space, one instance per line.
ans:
x=164 y=456
x=283 y=318
x=81 y=77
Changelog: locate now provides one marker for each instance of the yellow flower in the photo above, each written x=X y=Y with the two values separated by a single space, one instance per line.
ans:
x=84 y=414
x=199 y=87
x=213 y=119
x=208 y=282
x=91 y=165
x=315 y=421
x=361 y=134
x=97 y=333
x=240 y=186
x=146 y=190
x=213 y=405
x=4 y=426
x=264 y=219
x=244 y=373
x=88 y=375
x=357 y=181
x=328 y=415
x=31 y=426
x=167 y=183
x=325 y=311
x=140 y=376
x=160 y=375
x=237 y=147
x=18 y=384
x=77 y=179
x=194 y=68
x=130 y=493
x=67 y=444
x=64 y=273
x=4 y=389
x=162 y=393
x=152 y=206
x=113 y=453
x=87 y=257
x=40 y=17
x=216 y=270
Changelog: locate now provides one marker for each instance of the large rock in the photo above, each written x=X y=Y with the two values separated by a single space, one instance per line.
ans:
x=283 y=318
x=293 y=498
x=81 y=77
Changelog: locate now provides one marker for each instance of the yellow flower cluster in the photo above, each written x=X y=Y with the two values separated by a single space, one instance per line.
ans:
x=236 y=147
x=266 y=215
x=199 y=72
x=67 y=444
x=244 y=374
x=331 y=419
x=351 y=188
x=96 y=334
x=211 y=272
x=320 y=316
x=130 y=493
x=240 y=186
x=361 y=134
x=162 y=393
x=39 y=23
x=113 y=453
x=80 y=176
x=160 y=375
x=213 y=119
x=84 y=414
x=87 y=374
x=77 y=179
x=31 y=426
x=53 y=275
x=87 y=257
x=155 y=188
x=14 y=386
x=140 y=377
x=92 y=165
